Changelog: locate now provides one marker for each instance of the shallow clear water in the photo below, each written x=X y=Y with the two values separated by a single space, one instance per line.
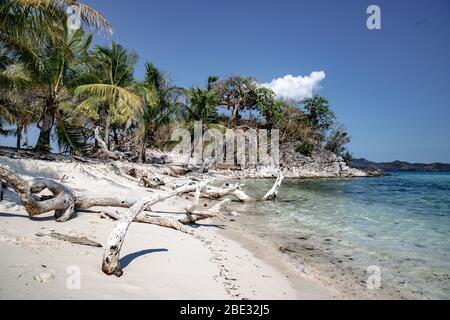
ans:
x=400 y=223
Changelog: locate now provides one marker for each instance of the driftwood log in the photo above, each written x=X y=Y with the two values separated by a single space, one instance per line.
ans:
x=235 y=190
x=63 y=200
x=111 y=263
x=111 y=256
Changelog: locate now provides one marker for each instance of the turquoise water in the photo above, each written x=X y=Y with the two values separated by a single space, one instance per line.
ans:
x=399 y=222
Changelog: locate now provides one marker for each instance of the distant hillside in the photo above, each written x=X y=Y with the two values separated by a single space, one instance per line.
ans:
x=366 y=165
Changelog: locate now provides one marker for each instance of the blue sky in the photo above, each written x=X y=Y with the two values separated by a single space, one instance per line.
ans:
x=389 y=87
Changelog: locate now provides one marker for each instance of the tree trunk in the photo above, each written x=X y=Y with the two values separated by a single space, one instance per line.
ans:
x=116 y=136
x=143 y=155
x=234 y=116
x=43 y=143
x=25 y=136
x=107 y=131
x=19 y=136
x=103 y=146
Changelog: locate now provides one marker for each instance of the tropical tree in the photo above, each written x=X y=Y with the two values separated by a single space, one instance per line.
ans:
x=109 y=96
x=36 y=32
x=160 y=99
x=337 y=140
x=238 y=94
x=318 y=112
x=202 y=103
x=40 y=16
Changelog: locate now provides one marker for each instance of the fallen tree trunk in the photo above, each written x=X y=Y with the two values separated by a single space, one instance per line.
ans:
x=146 y=218
x=111 y=263
x=227 y=189
x=63 y=201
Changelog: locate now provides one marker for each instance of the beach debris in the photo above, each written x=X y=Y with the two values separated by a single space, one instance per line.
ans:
x=81 y=159
x=235 y=190
x=286 y=249
x=148 y=180
x=111 y=263
x=76 y=240
x=66 y=202
x=63 y=200
x=44 y=277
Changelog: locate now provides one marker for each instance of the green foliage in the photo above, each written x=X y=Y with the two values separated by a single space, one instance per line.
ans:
x=318 y=112
x=240 y=94
x=48 y=72
x=337 y=140
x=69 y=137
x=348 y=158
x=202 y=103
x=305 y=149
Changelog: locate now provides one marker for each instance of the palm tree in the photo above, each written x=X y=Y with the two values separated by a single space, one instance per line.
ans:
x=16 y=15
x=160 y=101
x=109 y=94
x=18 y=100
x=202 y=103
x=36 y=32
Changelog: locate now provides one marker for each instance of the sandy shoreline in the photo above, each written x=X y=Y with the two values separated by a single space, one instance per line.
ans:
x=158 y=263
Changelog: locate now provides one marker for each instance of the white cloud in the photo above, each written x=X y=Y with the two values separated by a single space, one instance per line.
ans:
x=298 y=88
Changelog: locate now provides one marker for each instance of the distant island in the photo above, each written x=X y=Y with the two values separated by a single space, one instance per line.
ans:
x=367 y=165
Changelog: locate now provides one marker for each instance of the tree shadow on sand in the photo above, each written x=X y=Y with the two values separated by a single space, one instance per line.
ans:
x=14 y=215
x=125 y=261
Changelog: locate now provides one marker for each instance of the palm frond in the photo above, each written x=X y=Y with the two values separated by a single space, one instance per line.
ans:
x=91 y=17
x=107 y=91
x=68 y=137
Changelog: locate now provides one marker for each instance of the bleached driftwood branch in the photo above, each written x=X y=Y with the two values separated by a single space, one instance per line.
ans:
x=63 y=201
x=145 y=217
x=235 y=190
x=111 y=264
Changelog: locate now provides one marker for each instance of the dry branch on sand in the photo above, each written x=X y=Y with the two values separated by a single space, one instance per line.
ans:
x=63 y=200
x=76 y=240
x=65 y=203
x=111 y=262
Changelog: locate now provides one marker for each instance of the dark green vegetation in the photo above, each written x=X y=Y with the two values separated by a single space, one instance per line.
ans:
x=367 y=165
x=53 y=77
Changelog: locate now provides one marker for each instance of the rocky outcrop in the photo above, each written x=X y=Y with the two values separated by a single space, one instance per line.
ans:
x=321 y=164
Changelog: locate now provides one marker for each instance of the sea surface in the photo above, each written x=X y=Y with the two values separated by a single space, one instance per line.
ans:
x=399 y=224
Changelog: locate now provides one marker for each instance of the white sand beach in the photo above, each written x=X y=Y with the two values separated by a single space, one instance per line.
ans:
x=158 y=263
